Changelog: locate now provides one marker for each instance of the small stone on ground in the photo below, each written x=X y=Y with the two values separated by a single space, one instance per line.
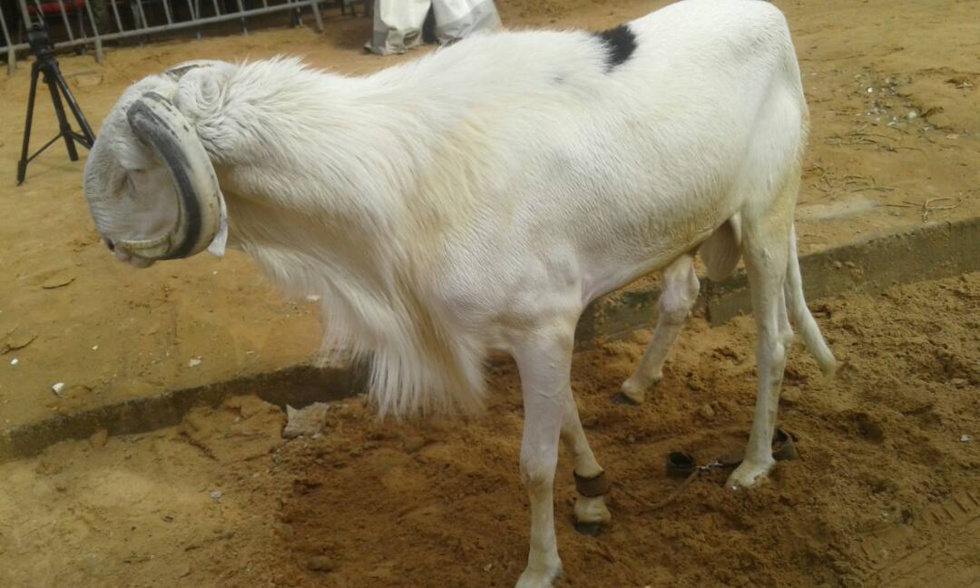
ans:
x=306 y=421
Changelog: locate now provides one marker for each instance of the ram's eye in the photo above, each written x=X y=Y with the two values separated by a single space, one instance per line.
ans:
x=125 y=181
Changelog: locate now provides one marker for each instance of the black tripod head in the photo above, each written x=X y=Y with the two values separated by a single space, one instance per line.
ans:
x=40 y=42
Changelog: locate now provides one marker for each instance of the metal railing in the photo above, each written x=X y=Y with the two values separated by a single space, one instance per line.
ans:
x=90 y=23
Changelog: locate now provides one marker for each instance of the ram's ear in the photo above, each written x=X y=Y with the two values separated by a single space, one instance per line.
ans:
x=201 y=88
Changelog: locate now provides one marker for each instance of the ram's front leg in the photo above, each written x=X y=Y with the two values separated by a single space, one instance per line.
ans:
x=544 y=361
x=591 y=482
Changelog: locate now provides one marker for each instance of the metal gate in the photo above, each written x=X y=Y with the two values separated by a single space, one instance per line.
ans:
x=90 y=23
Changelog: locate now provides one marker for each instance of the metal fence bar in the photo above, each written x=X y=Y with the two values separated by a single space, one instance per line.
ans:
x=95 y=32
x=25 y=17
x=194 y=14
x=64 y=18
x=241 y=10
x=8 y=42
x=317 y=18
x=188 y=24
x=315 y=6
x=11 y=49
x=115 y=11
x=92 y=36
x=138 y=15
x=37 y=7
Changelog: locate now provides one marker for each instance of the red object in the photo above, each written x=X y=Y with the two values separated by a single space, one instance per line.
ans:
x=52 y=6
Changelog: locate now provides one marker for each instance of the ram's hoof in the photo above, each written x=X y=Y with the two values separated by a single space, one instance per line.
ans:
x=589 y=529
x=591 y=513
x=625 y=400
x=634 y=389
x=540 y=578
x=749 y=474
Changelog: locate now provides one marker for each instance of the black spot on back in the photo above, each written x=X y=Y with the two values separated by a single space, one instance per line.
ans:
x=620 y=43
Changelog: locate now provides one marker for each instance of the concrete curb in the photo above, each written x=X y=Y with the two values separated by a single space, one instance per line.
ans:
x=297 y=386
x=933 y=251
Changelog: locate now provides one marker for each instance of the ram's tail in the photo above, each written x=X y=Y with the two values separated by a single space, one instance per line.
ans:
x=800 y=314
x=721 y=253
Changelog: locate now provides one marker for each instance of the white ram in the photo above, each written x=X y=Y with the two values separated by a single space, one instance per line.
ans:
x=480 y=197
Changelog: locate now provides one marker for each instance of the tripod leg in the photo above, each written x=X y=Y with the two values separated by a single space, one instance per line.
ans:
x=22 y=164
x=59 y=109
x=77 y=111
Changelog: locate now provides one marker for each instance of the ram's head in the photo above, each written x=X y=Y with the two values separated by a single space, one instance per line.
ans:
x=149 y=182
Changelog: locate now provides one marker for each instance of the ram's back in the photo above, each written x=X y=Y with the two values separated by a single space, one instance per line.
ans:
x=556 y=140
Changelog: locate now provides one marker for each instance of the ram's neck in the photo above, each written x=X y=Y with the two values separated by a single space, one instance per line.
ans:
x=309 y=142
x=310 y=168
x=351 y=158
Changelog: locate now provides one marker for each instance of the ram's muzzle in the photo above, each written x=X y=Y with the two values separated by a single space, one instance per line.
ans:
x=167 y=205
x=200 y=208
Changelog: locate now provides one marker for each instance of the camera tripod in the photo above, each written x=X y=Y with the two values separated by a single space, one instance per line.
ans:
x=46 y=64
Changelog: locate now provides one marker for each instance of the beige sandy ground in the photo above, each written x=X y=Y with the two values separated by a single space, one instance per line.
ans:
x=883 y=474
x=885 y=493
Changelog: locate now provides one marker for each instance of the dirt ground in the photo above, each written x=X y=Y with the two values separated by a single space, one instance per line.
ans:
x=885 y=494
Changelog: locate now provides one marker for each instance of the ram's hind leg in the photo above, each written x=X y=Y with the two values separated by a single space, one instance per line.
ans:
x=680 y=291
x=766 y=250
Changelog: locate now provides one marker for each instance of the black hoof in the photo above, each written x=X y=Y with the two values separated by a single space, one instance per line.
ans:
x=623 y=399
x=589 y=529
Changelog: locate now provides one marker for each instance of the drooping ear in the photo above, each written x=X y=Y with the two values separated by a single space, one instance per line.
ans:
x=177 y=72
x=201 y=89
